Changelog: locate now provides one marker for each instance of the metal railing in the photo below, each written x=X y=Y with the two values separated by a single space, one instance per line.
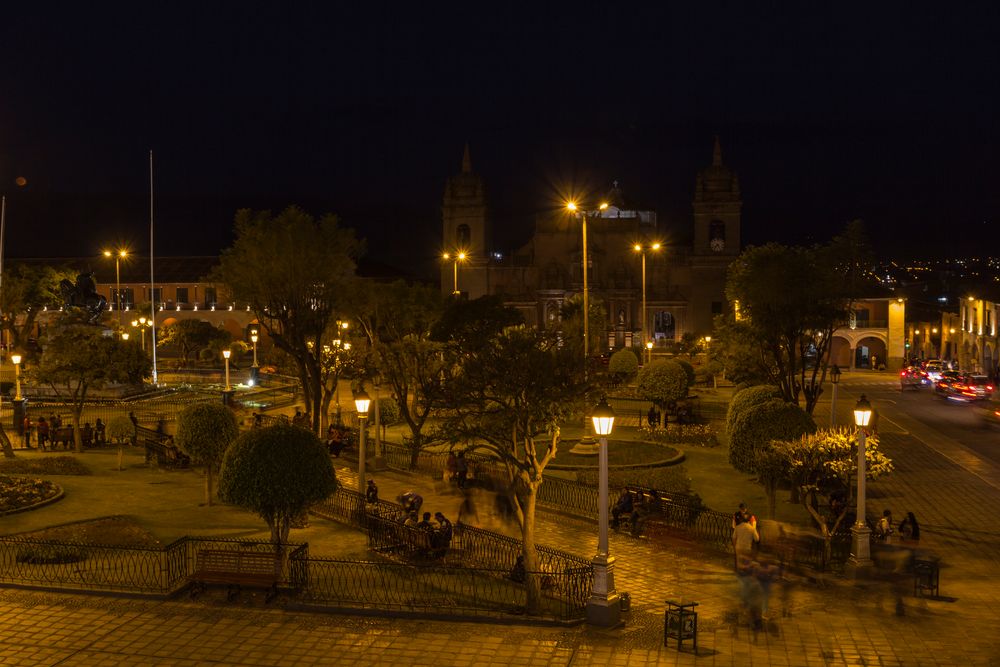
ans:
x=432 y=590
x=121 y=569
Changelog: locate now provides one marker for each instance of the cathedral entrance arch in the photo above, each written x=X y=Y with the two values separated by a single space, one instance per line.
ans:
x=664 y=326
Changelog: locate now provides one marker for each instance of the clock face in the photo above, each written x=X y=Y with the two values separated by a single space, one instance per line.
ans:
x=718 y=244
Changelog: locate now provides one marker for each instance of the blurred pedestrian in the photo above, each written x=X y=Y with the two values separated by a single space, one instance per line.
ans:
x=371 y=492
x=745 y=538
x=909 y=529
x=410 y=500
x=43 y=432
x=28 y=427
x=462 y=471
x=624 y=505
x=451 y=466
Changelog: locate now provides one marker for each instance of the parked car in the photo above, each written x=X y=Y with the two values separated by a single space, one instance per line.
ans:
x=910 y=378
x=968 y=387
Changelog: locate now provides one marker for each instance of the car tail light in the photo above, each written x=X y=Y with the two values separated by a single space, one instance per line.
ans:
x=989 y=387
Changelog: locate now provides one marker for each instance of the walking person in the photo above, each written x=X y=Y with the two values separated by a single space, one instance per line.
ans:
x=43 y=432
x=745 y=537
x=371 y=492
x=28 y=426
x=909 y=529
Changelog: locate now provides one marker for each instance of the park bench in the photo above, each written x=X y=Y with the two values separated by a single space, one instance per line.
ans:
x=165 y=452
x=236 y=569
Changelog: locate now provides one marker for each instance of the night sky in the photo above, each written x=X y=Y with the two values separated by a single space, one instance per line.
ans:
x=883 y=112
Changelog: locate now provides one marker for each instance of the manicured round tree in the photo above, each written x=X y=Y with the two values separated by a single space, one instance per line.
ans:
x=662 y=382
x=277 y=472
x=747 y=397
x=119 y=429
x=388 y=412
x=689 y=370
x=755 y=427
x=623 y=364
x=204 y=432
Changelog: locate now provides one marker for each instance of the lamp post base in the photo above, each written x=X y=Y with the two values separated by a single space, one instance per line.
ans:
x=604 y=606
x=859 y=565
x=227 y=397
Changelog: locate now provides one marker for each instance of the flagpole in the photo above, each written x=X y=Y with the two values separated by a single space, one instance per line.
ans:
x=152 y=281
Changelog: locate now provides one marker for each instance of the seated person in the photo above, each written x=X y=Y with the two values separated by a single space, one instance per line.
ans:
x=411 y=501
x=644 y=511
x=623 y=506
x=335 y=441
x=518 y=573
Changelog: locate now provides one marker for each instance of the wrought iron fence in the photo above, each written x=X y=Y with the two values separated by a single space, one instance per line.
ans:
x=438 y=590
x=123 y=569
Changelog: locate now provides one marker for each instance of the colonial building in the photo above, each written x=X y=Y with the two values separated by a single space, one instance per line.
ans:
x=684 y=285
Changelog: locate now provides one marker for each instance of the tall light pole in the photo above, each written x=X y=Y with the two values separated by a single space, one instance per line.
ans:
x=253 y=339
x=860 y=533
x=642 y=251
x=455 y=257
x=649 y=351
x=835 y=379
x=119 y=254
x=361 y=403
x=586 y=440
x=604 y=606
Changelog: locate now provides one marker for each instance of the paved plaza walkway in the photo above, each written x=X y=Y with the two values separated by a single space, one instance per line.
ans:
x=813 y=621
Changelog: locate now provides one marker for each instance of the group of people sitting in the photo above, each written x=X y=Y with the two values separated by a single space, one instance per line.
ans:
x=48 y=432
x=439 y=532
x=638 y=507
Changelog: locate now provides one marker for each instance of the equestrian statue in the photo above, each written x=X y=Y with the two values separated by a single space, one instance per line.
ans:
x=83 y=295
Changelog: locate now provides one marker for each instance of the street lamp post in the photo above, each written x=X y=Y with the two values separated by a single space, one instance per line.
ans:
x=604 y=606
x=456 y=257
x=253 y=339
x=361 y=403
x=18 y=414
x=118 y=255
x=225 y=355
x=649 y=351
x=642 y=251
x=16 y=358
x=141 y=324
x=835 y=379
x=860 y=533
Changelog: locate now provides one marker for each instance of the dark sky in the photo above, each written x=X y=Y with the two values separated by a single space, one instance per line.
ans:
x=886 y=112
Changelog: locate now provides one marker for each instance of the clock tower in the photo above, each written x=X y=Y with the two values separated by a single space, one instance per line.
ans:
x=717 y=205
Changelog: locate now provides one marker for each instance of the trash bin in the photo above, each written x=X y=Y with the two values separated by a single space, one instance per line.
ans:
x=625 y=601
x=680 y=622
x=925 y=577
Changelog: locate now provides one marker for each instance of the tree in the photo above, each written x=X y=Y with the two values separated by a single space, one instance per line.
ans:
x=826 y=461
x=276 y=472
x=469 y=324
x=204 y=432
x=388 y=413
x=623 y=364
x=79 y=357
x=662 y=382
x=27 y=291
x=792 y=299
x=759 y=424
x=297 y=274
x=191 y=337
x=509 y=398
x=397 y=320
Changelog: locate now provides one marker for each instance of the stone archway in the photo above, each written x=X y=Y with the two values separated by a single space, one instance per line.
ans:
x=869 y=352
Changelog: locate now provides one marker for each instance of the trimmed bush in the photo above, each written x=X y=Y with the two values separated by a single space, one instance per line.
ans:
x=277 y=472
x=756 y=426
x=623 y=364
x=204 y=431
x=662 y=382
x=119 y=429
x=748 y=397
x=689 y=370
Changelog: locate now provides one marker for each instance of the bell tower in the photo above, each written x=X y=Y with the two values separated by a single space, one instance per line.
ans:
x=463 y=213
x=717 y=205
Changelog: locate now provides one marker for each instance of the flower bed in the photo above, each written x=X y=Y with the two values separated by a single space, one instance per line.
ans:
x=702 y=435
x=20 y=492
x=59 y=465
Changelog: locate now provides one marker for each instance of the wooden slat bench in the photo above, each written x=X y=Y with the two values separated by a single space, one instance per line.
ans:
x=235 y=569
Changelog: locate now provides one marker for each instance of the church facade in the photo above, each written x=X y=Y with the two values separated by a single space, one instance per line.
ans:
x=684 y=285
